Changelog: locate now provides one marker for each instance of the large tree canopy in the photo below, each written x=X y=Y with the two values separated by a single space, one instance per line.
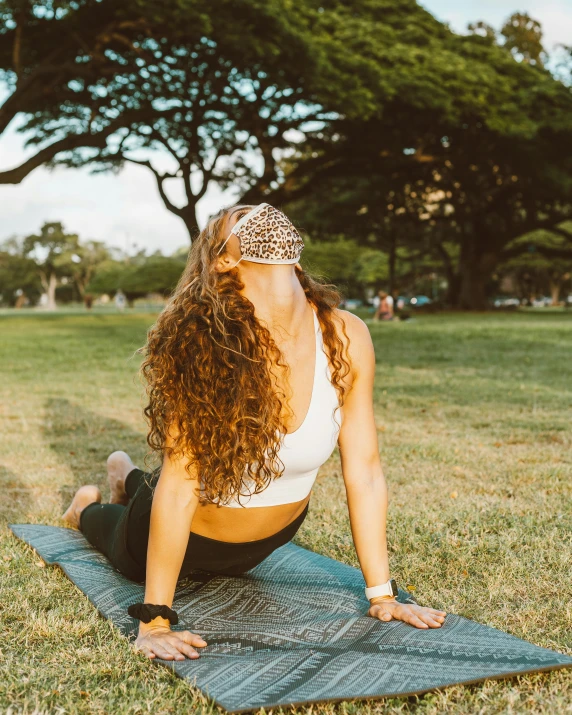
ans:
x=459 y=178
x=219 y=85
x=370 y=118
x=98 y=81
x=106 y=82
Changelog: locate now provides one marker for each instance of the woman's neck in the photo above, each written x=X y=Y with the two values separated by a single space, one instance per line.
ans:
x=275 y=291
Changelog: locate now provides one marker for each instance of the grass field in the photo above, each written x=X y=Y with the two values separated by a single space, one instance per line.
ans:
x=474 y=415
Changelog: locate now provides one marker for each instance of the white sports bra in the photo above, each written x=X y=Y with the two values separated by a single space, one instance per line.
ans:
x=304 y=451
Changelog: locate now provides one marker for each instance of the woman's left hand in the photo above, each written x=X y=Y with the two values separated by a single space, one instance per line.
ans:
x=418 y=616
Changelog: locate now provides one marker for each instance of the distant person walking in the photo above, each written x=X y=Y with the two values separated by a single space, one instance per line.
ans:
x=385 y=308
x=390 y=304
x=120 y=301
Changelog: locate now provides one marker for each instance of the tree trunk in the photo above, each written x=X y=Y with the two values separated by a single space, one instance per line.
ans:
x=453 y=290
x=475 y=268
x=555 y=291
x=392 y=261
x=189 y=216
x=80 y=285
x=49 y=284
x=453 y=280
x=472 y=289
x=52 y=292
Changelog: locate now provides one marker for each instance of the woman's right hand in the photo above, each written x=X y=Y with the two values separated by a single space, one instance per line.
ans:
x=161 y=642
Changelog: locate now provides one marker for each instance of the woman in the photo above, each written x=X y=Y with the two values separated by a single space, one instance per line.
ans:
x=247 y=368
x=385 y=308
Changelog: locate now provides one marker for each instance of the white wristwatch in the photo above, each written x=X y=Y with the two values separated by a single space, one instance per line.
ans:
x=386 y=589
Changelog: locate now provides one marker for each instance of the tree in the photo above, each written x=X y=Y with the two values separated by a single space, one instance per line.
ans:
x=50 y=54
x=204 y=82
x=483 y=29
x=19 y=279
x=523 y=37
x=87 y=257
x=456 y=174
x=428 y=144
x=520 y=35
x=343 y=262
x=540 y=262
x=138 y=276
x=179 y=76
x=52 y=250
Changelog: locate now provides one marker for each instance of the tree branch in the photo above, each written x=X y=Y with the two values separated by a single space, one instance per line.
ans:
x=534 y=224
x=545 y=251
x=562 y=232
x=156 y=134
x=69 y=143
x=160 y=179
x=207 y=174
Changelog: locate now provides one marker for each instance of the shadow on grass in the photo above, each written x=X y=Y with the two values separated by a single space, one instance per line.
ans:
x=83 y=440
x=17 y=498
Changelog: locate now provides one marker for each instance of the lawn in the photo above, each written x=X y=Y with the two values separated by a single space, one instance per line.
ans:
x=474 y=416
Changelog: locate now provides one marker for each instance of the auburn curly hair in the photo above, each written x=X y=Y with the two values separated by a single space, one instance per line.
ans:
x=207 y=360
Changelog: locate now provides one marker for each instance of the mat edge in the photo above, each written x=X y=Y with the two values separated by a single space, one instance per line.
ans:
x=503 y=676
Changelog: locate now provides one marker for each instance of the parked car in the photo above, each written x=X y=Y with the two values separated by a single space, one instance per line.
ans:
x=542 y=301
x=420 y=300
x=506 y=302
x=352 y=303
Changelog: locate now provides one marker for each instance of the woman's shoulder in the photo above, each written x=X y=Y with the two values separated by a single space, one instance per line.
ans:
x=358 y=342
x=355 y=327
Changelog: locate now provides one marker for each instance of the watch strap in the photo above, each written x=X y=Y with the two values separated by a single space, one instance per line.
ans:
x=385 y=589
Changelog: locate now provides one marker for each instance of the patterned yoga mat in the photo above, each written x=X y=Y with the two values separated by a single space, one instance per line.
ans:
x=295 y=630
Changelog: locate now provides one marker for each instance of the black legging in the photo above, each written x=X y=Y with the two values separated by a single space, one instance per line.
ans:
x=122 y=532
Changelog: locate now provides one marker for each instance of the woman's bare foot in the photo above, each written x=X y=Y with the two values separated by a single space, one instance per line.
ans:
x=83 y=497
x=119 y=465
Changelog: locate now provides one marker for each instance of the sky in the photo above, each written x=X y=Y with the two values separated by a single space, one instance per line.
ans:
x=125 y=210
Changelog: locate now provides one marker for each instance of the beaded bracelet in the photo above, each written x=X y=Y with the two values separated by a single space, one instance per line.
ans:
x=146 y=612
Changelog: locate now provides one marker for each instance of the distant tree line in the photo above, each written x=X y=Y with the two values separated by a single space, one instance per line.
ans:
x=59 y=266
x=370 y=120
x=63 y=268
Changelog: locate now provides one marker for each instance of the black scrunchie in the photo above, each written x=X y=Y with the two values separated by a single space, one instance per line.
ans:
x=146 y=612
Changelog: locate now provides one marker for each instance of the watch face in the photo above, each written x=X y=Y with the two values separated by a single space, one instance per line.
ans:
x=394 y=589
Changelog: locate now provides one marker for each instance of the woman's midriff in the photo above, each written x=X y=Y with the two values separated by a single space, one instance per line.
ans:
x=245 y=524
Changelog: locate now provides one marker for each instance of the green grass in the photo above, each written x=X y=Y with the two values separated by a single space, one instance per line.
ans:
x=474 y=416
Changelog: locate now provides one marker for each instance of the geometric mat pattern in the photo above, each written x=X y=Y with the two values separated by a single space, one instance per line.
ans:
x=294 y=630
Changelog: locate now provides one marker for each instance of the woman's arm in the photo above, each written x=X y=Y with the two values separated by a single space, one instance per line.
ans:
x=364 y=481
x=172 y=511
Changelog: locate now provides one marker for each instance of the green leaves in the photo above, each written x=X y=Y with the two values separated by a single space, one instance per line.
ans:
x=139 y=276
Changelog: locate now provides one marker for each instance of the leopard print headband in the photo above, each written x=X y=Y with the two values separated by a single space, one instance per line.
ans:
x=267 y=235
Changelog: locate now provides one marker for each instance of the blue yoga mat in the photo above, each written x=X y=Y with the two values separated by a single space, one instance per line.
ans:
x=294 y=630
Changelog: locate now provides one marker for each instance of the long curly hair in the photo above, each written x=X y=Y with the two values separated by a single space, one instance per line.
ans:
x=207 y=366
